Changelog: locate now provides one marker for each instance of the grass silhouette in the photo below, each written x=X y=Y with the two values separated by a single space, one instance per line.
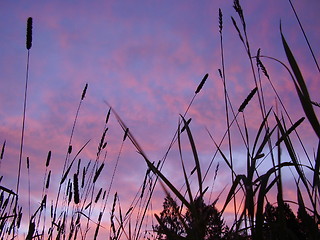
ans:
x=79 y=205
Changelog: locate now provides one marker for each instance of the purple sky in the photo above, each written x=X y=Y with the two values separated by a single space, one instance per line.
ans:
x=145 y=58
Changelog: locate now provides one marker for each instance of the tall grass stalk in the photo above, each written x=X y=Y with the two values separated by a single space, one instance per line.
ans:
x=223 y=77
x=66 y=162
x=304 y=35
x=28 y=46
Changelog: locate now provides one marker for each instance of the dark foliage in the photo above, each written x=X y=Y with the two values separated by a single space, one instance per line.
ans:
x=203 y=222
x=281 y=223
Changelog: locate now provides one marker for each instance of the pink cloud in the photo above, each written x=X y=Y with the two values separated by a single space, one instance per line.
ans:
x=148 y=68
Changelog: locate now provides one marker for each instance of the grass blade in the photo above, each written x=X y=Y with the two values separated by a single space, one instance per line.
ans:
x=293 y=127
x=183 y=167
x=301 y=88
x=168 y=183
x=316 y=180
x=195 y=154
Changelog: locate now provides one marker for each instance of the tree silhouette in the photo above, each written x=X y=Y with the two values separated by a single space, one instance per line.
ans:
x=203 y=222
x=281 y=223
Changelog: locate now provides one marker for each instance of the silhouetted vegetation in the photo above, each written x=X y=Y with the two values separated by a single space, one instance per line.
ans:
x=185 y=214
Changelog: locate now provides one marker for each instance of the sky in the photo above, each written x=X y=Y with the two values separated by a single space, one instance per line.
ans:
x=146 y=59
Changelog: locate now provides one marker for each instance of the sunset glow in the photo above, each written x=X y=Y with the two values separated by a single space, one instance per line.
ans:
x=145 y=59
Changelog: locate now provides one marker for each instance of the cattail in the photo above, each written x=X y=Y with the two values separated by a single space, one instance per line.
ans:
x=220 y=20
x=104 y=194
x=125 y=134
x=29 y=33
x=48 y=180
x=84 y=92
x=98 y=195
x=2 y=150
x=201 y=83
x=76 y=189
x=48 y=159
x=98 y=173
x=220 y=73
x=247 y=100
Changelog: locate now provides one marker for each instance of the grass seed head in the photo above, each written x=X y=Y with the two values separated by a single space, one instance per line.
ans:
x=84 y=92
x=48 y=159
x=83 y=176
x=48 y=180
x=29 y=33
x=247 y=100
x=76 y=189
x=69 y=149
x=2 y=150
x=201 y=83
x=220 y=21
x=108 y=115
x=98 y=173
